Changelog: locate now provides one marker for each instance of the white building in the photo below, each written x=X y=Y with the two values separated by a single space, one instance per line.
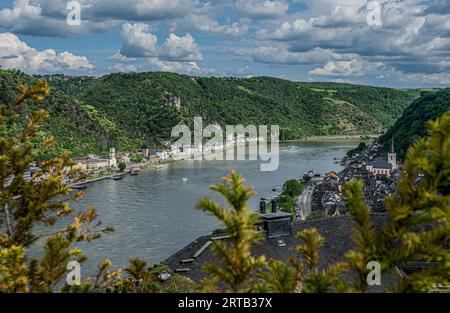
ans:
x=381 y=166
x=112 y=157
x=163 y=155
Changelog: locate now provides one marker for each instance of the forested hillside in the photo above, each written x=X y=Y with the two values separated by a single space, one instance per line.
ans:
x=412 y=124
x=126 y=109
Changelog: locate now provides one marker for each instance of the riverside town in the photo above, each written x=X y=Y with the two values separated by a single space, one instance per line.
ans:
x=251 y=155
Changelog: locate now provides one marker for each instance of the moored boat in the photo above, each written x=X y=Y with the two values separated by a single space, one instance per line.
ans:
x=78 y=186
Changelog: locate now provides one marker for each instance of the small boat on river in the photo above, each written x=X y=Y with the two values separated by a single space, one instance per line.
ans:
x=78 y=186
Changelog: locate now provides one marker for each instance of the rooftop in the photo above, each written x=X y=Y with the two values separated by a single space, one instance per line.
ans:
x=336 y=230
x=381 y=163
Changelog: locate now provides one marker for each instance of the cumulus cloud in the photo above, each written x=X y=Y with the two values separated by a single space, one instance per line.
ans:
x=207 y=24
x=137 y=41
x=16 y=54
x=121 y=58
x=261 y=8
x=414 y=38
x=47 y=18
x=179 y=67
x=340 y=69
x=438 y=7
x=434 y=78
x=176 y=54
x=331 y=37
x=181 y=49
x=341 y=16
x=123 y=67
x=140 y=10
x=280 y=55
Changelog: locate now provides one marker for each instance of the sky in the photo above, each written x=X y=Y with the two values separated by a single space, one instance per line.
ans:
x=394 y=43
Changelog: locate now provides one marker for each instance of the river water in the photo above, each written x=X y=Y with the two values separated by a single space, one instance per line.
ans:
x=155 y=216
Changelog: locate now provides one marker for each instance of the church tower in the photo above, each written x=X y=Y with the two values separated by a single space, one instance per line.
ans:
x=112 y=157
x=392 y=156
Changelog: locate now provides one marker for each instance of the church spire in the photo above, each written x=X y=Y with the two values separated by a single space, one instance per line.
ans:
x=392 y=156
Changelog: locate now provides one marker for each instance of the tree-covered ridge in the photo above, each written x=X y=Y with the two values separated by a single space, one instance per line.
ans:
x=299 y=109
x=126 y=109
x=77 y=127
x=412 y=124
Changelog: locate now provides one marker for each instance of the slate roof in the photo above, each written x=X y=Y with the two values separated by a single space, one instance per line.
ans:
x=336 y=230
x=381 y=163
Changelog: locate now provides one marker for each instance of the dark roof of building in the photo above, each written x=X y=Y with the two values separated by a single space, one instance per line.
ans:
x=381 y=163
x=336 y=230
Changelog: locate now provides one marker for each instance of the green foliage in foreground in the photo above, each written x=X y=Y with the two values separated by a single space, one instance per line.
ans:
x=288 y=198
x=43 y=201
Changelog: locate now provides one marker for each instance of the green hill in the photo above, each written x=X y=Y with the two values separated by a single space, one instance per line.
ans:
x=125 y=109
x=412 y=124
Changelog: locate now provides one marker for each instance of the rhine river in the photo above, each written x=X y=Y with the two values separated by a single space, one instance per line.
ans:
x=155 y=216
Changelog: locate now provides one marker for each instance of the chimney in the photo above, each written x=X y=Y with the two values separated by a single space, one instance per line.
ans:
x=262 y=206
x=274 y=205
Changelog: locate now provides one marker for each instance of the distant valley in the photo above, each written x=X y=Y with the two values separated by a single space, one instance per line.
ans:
x=90 y=114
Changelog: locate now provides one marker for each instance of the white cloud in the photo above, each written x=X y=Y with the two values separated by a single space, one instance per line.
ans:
x=137 y=41
x=287 y=30
x=434 y=78
x=141 y=10
x=48 y=18
x=178 y=67
x=121 y=58
x=188 y=68
x=340 y=69
x=176 y=54
x=280 y=55
x=16 y=54
x=207 y=24
x=181 y=49
x=262 y=8
x=341 y=16
x=353 y=67
x=122 y=67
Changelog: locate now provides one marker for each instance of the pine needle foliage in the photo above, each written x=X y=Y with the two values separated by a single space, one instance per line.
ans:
x=418 y=225
x=237 y=264
x=25 y=203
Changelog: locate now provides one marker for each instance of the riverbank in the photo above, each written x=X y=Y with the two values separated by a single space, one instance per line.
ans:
x=217 y=155
x=96 y=179
x=335 y=137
